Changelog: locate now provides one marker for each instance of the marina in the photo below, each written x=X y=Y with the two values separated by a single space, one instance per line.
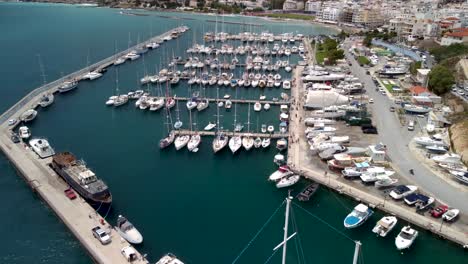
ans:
x=120 y=146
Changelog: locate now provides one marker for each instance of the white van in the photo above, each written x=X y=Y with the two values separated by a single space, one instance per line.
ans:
x=411 y=125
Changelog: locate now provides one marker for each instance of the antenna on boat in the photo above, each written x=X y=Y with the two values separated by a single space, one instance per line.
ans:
x=357 y=248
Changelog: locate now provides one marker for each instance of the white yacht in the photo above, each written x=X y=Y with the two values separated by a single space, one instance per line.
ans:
x=235 y=143
x=450 y=215
x=428 y=141
x=402 y=191
x=91 y=75
x=385 y=225
x=41 y=147
x=119 y=61
x=169 y=259
x=266 y=106
x=219 y=142
x=281 y=144
x=24 y=132
x=312 y=121
x=405 y=238
x=286 y=85
x=210 y=126
x=416 y=109
x=194 y=142
x=287 y=181
x=128 y=231
x=247 y=142
x=191 y=104
x=28 y=115
x=46 y=100
x=374 y=174
x=257 y=106
x=121 y=100
x=181 y=141
x=283 y=171
x=450 y=158
x=67 y=86
x=203 y=104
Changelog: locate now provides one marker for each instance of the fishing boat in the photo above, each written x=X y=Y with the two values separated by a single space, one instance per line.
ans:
x=308 y=191
x=451 y=215
x=181 y=141
x=405 y=238
x=402 y=191
x=128 y=231
x=28 y=115
x=358 y=216
x=210 y=126
x=287 y=181
x=42 y=147
x=24 y=132
x=281 y=144
x=385 y=225
x=266 y=142
x=46 y=100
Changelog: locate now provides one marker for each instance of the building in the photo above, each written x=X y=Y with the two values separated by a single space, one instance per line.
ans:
x=293 y=5
x=377 y=152
x=419 y=91
x=456 y=36
x=313 y=7
x=330 y=13
x=422 y=75
x=367 y=17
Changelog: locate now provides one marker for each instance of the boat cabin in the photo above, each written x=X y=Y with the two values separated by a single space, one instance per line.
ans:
x=377 y=152
x=87 y=177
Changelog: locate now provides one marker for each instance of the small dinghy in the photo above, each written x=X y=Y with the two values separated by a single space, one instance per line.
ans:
x=128 y=231
x=310 y=190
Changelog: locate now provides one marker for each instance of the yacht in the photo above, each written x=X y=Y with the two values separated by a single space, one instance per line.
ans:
x=402 y=191
x=165 y=142
x=461 y=176
x=181 y=141
x=312 y=121
x=210 y=126
x=450 y=158
x=257 y=106
x=374 y=174
x=24 y=132
x=93 y=75
x=67 y=86
x=203 y=104
x=128 y=231
x=219 y=142
x=235 y=143
x=121 y=100
x=41 y=147
x=385 y=225
x=266 y=142
x=385 y=182
x=266 y=106
x=169 y=259
x=194 y=142
x=257 y=142
x=281 y=144
x=405 y=238
x=358 y=216
x=286 y=85
x=119 y=61
x=428 y=141
x=438 y=149
x=192 y=103
x=287 y=181
x=283 y=171
x=28 y=115
x=247 y=142
x=46 y=100
x=416 y=109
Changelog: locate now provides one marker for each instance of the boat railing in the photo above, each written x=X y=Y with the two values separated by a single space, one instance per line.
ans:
x=74 y=76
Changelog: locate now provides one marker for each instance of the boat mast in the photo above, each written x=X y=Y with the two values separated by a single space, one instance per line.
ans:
x=217 y=109
x=286 y=224
x=357 y=248
x=235 y=115
x=248 y=119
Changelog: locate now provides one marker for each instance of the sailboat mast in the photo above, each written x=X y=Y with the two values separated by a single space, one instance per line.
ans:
x=357 y=248
x=217 y=108
x=286 y=224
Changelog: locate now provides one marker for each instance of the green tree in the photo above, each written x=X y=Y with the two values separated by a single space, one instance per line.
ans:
x=367 y=41
x=440 y=80
x=414 y=66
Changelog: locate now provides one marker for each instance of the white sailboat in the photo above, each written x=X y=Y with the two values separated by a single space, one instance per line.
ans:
x=220 y=140
x=195 y=139
x=181 y=141
x=178 y=123
x=248 y=141
x=235 y=143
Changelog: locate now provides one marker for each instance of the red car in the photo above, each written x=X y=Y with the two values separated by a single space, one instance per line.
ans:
x=439 y=211
x=70 y=193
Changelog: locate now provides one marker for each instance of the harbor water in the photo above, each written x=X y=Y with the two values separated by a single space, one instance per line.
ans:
x=204 y=208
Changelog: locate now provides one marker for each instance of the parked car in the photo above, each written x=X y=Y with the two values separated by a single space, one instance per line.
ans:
x=368 y=129
x=70 y=194
x=392 y=109
x=371 y=101
x=101 y=235
x=439 y=211
x=15 y=138
x=367 y=72
x=411 y=125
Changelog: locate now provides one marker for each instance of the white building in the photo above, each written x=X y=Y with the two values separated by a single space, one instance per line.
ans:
x=313 y=7
x=330 y=13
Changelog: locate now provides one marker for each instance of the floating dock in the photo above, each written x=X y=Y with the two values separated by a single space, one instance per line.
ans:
x=230 y=134
x=240 y=101
x=298 y=149
x=76 y=214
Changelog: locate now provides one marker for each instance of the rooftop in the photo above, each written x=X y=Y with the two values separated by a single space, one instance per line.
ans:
x=418 y=90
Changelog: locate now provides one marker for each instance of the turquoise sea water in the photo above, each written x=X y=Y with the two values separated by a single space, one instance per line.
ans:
x=203 y=207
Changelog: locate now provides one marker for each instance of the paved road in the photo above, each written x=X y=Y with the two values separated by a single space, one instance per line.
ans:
x=397 y=138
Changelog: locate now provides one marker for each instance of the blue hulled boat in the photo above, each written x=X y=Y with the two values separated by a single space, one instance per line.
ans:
x=358 y=216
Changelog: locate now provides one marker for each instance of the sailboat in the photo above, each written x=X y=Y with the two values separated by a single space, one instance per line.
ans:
x=181 y=141
x=178 y=124
x=195 y=139
x=165 y=142
x=248 y=141
x=236 y=141
x=220 y=140
x=203 y=103
x=48 y=98
x=120 y=99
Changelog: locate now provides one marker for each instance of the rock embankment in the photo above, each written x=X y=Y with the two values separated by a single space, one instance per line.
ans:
x=459 y=138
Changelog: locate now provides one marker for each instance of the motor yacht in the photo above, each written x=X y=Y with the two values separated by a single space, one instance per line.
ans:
x=46 y=100
x=402 y=191
x=451 y=215
x=210 y=126
x=41 y=147
x=405 y=238
x=93 y=75
x=28 y=115
x=450 y=158
x=24 y=132
x=358 y=216
x=282 y=144
x=128 y=231
x=385 y=225
x=67 y=86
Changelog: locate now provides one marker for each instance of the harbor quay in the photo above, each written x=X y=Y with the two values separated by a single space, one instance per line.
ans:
x=301 y=164
x=79 y=217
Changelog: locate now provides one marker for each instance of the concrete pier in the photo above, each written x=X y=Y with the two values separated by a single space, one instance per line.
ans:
x=76 y=214
x=298 y=152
